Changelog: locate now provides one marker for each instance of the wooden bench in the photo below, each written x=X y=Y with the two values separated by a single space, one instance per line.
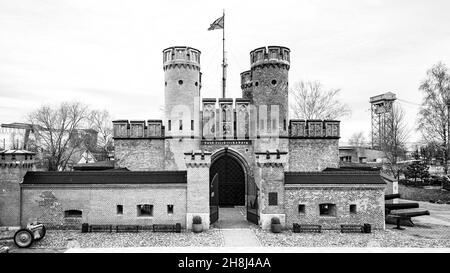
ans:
x=352 y=229
x=307 y=228
x=167 y=228
x=127 y=228
x=100 y=228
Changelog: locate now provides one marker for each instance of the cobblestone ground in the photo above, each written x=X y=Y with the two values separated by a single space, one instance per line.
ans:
x=421 y=236
x=60 y=239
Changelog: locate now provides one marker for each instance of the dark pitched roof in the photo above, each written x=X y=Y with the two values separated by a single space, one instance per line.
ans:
x=105 y=177
x=360 y=167
x=336 y=177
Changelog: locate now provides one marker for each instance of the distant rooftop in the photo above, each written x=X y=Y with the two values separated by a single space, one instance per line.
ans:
x=17 y=152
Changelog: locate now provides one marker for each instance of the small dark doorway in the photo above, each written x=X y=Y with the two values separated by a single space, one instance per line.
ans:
x=231 y=180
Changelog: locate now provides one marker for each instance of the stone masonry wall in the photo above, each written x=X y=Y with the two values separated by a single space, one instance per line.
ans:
x=313 y=155
x=140 y=154
x=369 y=201
x=98 y=203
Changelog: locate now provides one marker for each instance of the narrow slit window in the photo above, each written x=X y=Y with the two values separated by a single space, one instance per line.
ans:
x=119 y=209
x=353 y=209
x=301 y=208
x=192 y=125
x=170 y=125
x=181 y=125
x=169 y=209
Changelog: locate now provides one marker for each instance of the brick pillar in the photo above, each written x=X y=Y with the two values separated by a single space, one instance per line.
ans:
x=270 y=166
x=197 y=165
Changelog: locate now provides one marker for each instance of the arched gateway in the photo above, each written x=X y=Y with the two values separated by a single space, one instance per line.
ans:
x=230 y=184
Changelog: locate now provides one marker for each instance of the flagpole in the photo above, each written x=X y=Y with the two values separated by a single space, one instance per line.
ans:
x=223 y=57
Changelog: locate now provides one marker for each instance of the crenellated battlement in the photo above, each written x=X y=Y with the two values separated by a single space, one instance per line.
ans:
x=181 y=56
x=275 y=55
x=246 y=79
x=138 y=129
x=314 y=128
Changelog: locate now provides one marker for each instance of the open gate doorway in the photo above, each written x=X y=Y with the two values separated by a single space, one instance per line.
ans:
x=230 y=186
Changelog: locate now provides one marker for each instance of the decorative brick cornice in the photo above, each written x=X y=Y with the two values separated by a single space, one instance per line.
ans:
x=271 y=158
x=197 y=159
x=181 y=65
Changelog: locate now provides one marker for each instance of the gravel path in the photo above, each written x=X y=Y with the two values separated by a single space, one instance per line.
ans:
x=70 y=239
x=411 y=237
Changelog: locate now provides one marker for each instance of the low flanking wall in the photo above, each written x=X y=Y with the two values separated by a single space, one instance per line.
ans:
x=47 y=203
x=369 y=201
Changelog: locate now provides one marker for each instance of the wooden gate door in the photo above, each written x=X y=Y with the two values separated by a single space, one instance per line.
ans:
x=214 y=199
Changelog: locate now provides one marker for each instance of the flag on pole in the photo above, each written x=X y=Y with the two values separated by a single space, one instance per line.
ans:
x=217 y=24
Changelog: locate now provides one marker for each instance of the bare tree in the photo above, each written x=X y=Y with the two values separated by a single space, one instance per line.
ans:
x=311 y=101
x=357 y=139
x=433 y=116
x=394 y=144
x=57 y=130
x=100 y=121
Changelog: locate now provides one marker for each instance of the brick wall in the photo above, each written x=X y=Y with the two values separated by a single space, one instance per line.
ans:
x=140 y=154
x=369 y=202
x=98 y=203
x=9 y=194
x=313 y=154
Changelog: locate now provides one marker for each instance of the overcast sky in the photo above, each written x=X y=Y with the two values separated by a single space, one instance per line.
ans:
x=108 y=53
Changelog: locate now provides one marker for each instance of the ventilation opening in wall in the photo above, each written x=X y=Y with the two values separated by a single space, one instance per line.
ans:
x=165 y=83
x=353 y=209
x=180 y=82
x=73 y=213
x=144 y=210
x=196 y=83
x=301 y=208
x=169 y=209
x=119 y=209
x=256 y=83
x=274 y=82
x=327 y=209
x=273 y=199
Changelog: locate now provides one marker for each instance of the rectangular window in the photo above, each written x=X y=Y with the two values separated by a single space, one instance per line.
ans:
x=192 y=125
x=301 y=208
x=120 y=209
x=169 y=209
x=26 y=157
x=144 y=210
x=3 y=157
x=273 y=199
x=327 y=209
x=170 y=125
x=181 y=125
x=73 y=213
x=353 y=209
x=13 y=157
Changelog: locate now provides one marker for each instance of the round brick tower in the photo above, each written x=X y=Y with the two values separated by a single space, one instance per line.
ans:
x=182 y=79
x=267 y=82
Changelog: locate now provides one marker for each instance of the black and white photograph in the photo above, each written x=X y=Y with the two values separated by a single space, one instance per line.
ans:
x=242 y=127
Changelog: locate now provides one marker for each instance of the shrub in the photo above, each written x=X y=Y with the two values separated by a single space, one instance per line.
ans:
x=197 y=220
x=275 y=221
